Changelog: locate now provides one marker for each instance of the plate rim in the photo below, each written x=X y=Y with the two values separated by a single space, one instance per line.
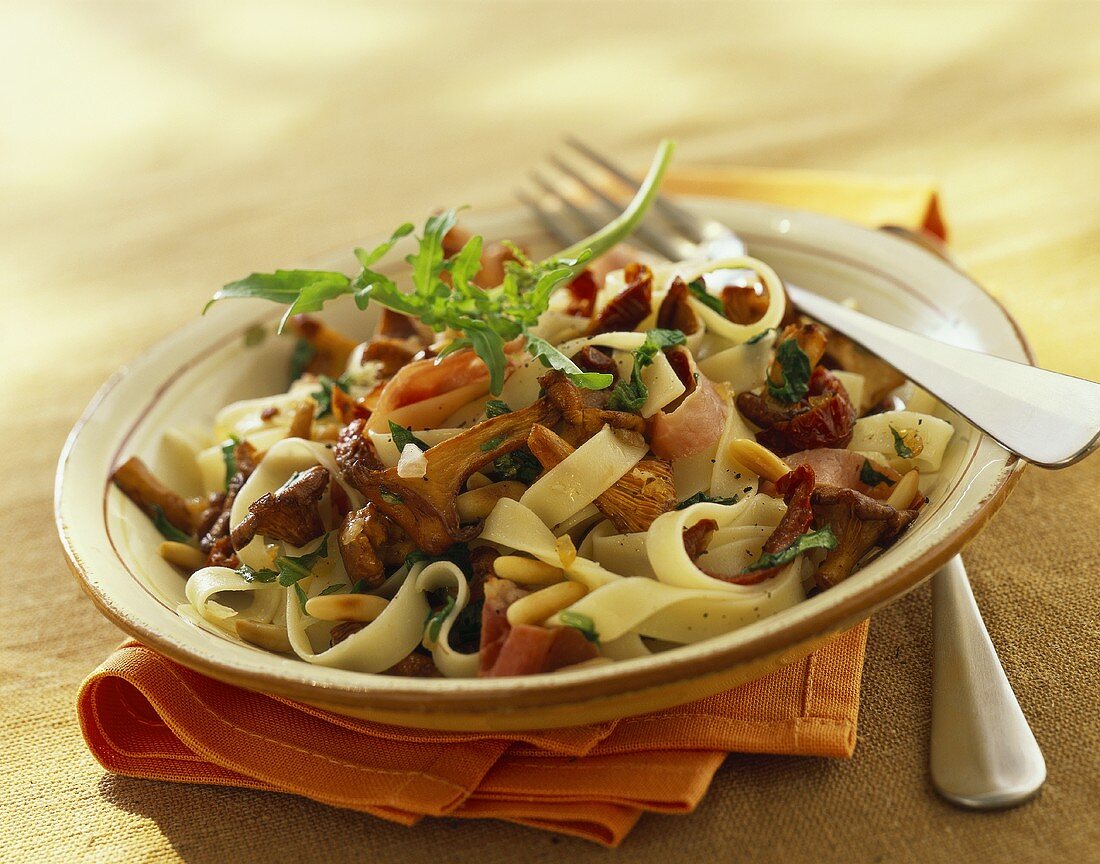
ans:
x=548 y=691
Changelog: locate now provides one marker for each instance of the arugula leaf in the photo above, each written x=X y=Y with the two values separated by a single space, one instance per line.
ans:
x=435 y=621
x=229 y=457
x=495 y=408
x=900 y=447
x=403 y=436
x=250 y=575
x=699 y=291
x=299 y=358
x=323 y=398
x=552 y=358
x=282 y=286
x=167 y=529
x=631 y=395
x=704 y=498
x=823 y=539
x=368 y=259
x=581 y=622
x=868 y=475
x=795 y=370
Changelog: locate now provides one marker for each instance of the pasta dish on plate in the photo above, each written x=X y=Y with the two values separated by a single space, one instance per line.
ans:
x=534 y=465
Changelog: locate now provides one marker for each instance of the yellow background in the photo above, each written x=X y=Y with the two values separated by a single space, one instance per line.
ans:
x=151 y=151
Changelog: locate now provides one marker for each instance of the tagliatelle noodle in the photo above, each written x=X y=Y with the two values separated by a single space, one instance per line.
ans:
x=277 y=466
x=582 y=476
x=383 y=642
x=742 y=367
x=722 y=326
x=872 y=435
x=428 y=413
x=204 y=584
x=388 y=453
x=729 y=477
x=514 y=526
x=663 y=384
x=853 y=384
x=452 y=663
x=682 y=615
x=620 y=553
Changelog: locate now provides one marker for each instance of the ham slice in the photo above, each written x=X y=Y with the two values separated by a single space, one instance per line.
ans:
x=695 y=425
x=841 y=468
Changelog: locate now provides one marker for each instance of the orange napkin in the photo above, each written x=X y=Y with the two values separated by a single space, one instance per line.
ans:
x=145 y=716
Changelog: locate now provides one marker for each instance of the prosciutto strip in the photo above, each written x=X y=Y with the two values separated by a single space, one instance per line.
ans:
x=695 y=424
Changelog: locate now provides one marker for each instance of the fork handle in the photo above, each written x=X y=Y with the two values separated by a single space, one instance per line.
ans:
x=1050 y=419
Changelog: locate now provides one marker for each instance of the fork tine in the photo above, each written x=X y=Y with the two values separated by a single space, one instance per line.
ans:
x=550 y=222
x=698 y=229
x=670 y=247
x=590 y=222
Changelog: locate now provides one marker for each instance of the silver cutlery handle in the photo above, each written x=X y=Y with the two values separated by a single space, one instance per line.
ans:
x=1050 y=419
x=983 y=753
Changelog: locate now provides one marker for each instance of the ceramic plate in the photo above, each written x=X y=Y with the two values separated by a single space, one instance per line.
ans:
x=206 y=364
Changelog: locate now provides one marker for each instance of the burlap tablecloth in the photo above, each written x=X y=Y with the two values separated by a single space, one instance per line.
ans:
x=152 y=150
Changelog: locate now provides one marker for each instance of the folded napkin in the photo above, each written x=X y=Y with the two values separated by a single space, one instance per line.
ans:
x=143 y=715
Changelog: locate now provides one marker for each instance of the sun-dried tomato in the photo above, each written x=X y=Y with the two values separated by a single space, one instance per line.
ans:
x=582 y=295
x=824 y=419
x=631 y=306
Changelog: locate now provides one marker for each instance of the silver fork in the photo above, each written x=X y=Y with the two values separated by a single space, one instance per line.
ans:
x=983 y=754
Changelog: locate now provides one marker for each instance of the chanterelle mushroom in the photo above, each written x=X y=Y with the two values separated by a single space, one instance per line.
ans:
x=289 y=514
x=634 y=500
x=135 y=479
x=858 y=522
x=425 y=506
x=369 y=543
x=585 y=411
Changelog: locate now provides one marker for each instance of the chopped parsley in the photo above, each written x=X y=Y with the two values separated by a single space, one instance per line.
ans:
x=699 y=291
x=518 y=465
x=823 y=539
x=760 y=336
x=301 y=595
x=631 y=395
x=491 y=444
x=900 y=447
x=229 y=457
x=795 y=372
x=704 y=498
x=338 y=588
x=403 y=437
x=871 y=477
x=435 y=620
x=299 y=358
x=167 y=529
x=292 y=570
x=495 y=408
x=580 y=622
x=390 y=497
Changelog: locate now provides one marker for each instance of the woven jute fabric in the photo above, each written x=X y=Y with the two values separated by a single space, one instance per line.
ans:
x=153 y=150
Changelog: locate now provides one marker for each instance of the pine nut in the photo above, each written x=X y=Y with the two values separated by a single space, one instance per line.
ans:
x=478 y=480
x=536 y=608
x=346 y=607
x=905 y=491
x=757 y=458
x=271 y=637
x=527 y=571
x=479 y=503
x=180 y=554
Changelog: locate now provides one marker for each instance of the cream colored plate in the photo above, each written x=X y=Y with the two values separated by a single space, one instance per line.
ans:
x=187 y=377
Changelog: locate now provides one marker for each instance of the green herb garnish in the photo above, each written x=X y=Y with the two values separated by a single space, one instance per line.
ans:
x=518 y=465
x=324 y=397
x=491 y=444
x=871 y=477
x=167 y=529
x=301 y=595
x=760 y=336
x=291 y=570
x=552 y=358
x=403 y=436
x=581 y=622
x=900 y=447
x=338 y=588
x=435 y=620
x=495 y=408
x=795 y=371
x=415 y=557
x=391 y=497
x=229 y=457
x=254 y=335
x=487 y=317
x=631 y=395
x=250 y=575
x=299 y=358
x=360 y=587
x=704 y=498
x=823 y=539
x=699 y=291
